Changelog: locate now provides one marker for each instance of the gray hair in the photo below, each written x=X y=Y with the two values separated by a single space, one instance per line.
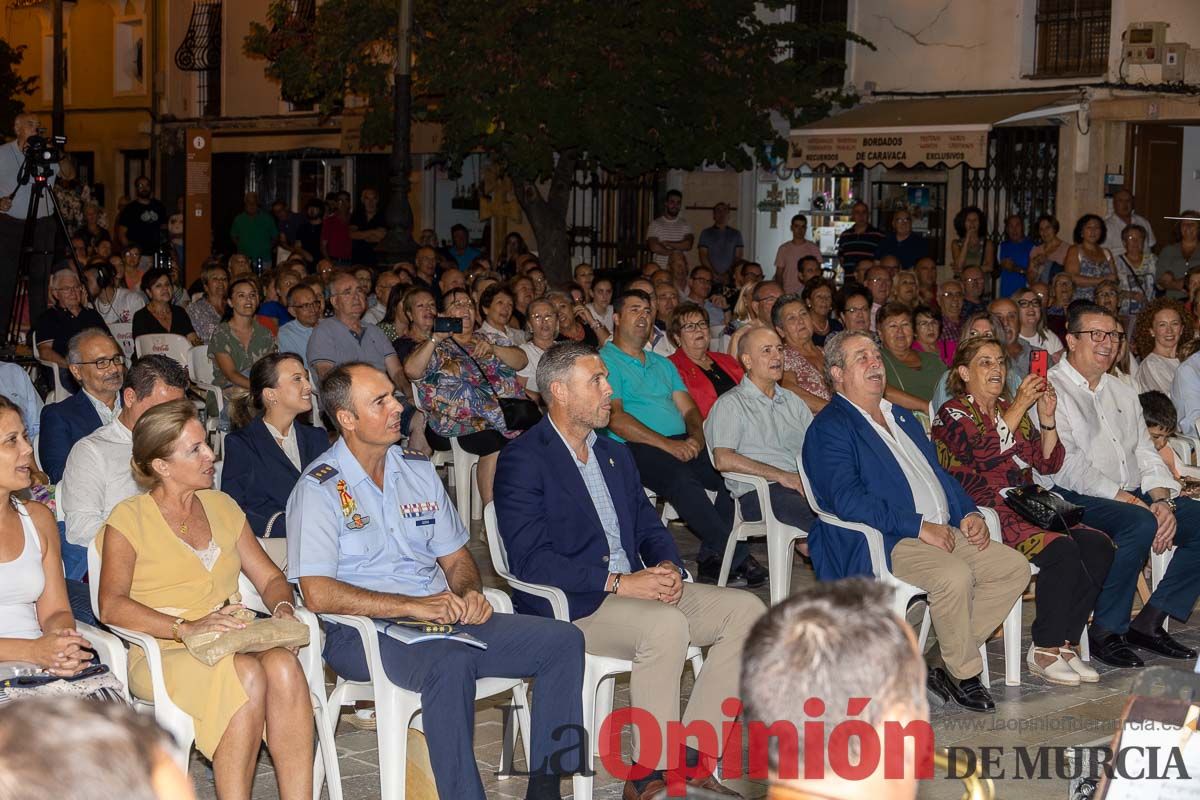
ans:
x=810 y=647
x=59 y=274
x=75 y=343
x=557 y=362
x=785 y=300
x=835 y=350
x=336 y=389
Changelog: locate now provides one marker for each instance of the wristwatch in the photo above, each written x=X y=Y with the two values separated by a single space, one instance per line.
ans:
x=175 y=629
x=1168 y=502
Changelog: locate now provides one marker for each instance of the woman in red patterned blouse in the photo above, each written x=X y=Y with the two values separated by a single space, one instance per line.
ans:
x=989 y=443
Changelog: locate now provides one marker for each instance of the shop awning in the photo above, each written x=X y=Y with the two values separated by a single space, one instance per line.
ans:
x=925 y=130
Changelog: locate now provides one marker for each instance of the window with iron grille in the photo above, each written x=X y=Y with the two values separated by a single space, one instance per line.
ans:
x=1021 y=177
x=200 y=51
x=1072 y=37
x=829 y=16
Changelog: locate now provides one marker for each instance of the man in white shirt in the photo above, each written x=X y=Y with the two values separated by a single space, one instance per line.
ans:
x=383 y=290
x=870 y=462
x=1122 y=215
x=97 y=475
x=670 y=232
x=302 y=303
x=1113 y=470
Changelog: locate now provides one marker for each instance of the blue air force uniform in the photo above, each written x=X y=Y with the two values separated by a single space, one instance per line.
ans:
x=341 y=525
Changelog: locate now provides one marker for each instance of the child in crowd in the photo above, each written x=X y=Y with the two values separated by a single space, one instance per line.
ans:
x=1161 y=421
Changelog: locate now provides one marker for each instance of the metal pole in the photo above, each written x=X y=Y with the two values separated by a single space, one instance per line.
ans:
x=58 y=115
x=399 y=242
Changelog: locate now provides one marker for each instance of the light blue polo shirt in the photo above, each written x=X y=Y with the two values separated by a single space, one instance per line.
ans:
x=645 y=387
x=341 y=525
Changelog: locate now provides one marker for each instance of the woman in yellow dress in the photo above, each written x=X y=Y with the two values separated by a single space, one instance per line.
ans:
x=171 y=560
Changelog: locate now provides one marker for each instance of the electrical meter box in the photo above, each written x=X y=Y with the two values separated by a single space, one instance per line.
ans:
x=1175 y=57
x=1144 y=42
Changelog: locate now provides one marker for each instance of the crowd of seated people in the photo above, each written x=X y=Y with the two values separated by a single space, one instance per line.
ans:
x=905 y=416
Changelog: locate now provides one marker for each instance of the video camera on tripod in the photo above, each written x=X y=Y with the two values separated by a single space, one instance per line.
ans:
x=40 y=153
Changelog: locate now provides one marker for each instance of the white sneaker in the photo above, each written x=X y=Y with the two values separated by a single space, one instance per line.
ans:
x=1057 y=672
x=362 y=719
x=1079 y=666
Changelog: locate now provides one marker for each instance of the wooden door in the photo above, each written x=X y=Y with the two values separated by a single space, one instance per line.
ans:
x=1157 y=169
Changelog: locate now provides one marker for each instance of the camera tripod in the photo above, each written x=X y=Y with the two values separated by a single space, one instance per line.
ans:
x=38 y=176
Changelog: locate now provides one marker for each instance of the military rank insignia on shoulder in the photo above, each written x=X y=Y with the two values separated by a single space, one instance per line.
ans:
x=413 y=455
x=322 y=473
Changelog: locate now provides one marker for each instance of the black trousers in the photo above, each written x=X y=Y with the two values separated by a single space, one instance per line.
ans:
x=11 y=232
x=1073 y=568
x=685 y=485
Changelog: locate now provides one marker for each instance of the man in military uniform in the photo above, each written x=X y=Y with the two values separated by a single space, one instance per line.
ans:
x=372 y=532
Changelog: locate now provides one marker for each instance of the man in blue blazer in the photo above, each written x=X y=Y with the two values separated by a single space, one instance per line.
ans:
x=98 y=364
x=870 y=462
x=573 y=515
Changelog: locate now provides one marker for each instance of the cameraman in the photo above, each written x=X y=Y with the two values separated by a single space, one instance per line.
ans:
x=14 y=206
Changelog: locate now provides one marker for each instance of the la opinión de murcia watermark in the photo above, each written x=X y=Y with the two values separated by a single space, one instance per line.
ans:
x=851 y=750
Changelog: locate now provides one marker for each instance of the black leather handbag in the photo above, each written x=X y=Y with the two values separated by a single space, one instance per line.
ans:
x=1043 y=508
x=520 y=414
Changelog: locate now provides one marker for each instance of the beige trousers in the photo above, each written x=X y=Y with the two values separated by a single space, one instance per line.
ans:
x=655 y=636
x=970 y=593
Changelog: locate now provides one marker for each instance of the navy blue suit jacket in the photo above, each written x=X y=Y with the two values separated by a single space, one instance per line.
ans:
x=63 y=424
x=260 y=477
x=856 y=478
x=550 y=526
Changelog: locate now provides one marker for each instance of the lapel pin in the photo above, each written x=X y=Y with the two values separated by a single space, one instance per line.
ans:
x=610 y=463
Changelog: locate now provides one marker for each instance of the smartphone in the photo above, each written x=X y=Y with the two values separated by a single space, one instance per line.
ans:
x=1039 y=362
x=447 y=325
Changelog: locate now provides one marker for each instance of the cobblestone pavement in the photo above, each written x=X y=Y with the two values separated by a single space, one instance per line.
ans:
x=1030 y=715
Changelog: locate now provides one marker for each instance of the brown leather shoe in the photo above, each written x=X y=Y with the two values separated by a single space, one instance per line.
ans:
x=655 y=790
x=713 y=786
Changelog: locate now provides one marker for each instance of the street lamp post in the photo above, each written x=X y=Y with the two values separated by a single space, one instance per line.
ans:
x=57 y=114
x=399 y=243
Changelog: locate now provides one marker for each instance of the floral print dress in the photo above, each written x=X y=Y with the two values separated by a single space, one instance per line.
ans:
x=461 y=396
x=985 y=456
x=808 y=377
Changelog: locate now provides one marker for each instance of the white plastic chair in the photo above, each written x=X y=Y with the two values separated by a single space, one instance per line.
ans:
x=176 y=722
x=779 y=539
x=59 y=392
x=172 y=345
x=123 y=333
x=905 y=593
x=396 y=708
x=201 y=372
x=599 y=672
x=466 y=485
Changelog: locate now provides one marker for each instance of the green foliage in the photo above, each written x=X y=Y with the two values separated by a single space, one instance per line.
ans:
x=12 y=85
x=629 y=85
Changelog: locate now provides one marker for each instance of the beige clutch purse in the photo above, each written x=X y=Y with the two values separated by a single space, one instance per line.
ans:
x=258 y=635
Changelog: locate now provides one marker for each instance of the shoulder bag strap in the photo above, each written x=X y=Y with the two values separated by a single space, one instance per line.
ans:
x=482 y=374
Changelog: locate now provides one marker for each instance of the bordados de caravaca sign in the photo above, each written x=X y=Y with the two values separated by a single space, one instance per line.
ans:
x=819 y=149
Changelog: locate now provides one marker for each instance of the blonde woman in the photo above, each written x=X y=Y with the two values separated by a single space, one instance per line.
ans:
x=172 y=557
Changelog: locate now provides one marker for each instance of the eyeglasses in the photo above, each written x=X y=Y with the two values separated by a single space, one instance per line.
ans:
x=953 y=295
x=347 y=292
x=543 y=317
x=306 y=306
x=1099 y=336
x=464 y=303
x=690 y=327
x=859 y=310
x=1029 y=303
x=104 y=363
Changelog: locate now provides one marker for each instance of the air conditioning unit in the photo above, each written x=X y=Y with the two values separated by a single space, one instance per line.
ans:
x=1144 y=42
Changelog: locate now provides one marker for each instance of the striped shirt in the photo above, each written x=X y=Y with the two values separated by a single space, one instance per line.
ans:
x=667 y=230
x=854 y=247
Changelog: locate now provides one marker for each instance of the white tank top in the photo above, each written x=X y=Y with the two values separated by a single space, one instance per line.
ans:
x=21 y=584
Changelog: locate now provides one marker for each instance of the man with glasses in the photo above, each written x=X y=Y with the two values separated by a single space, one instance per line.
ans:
x=762 y=303
x=700 y=284
x=67 y=317
x=902 y=243
x=1113 y=470
x=973 y=285
x=97 y=363
x=879 y=284
x=343 y=337
x=303 y=305
x=950 y=301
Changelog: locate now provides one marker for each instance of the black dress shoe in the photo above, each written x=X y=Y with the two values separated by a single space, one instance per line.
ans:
x=1161 y=643
x=971 y=694
x=936 y=690
x=754 y=573
x=709 y=569
x=1114 y=650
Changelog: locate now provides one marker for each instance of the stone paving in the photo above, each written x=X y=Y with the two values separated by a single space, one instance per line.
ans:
x=1032 y=714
